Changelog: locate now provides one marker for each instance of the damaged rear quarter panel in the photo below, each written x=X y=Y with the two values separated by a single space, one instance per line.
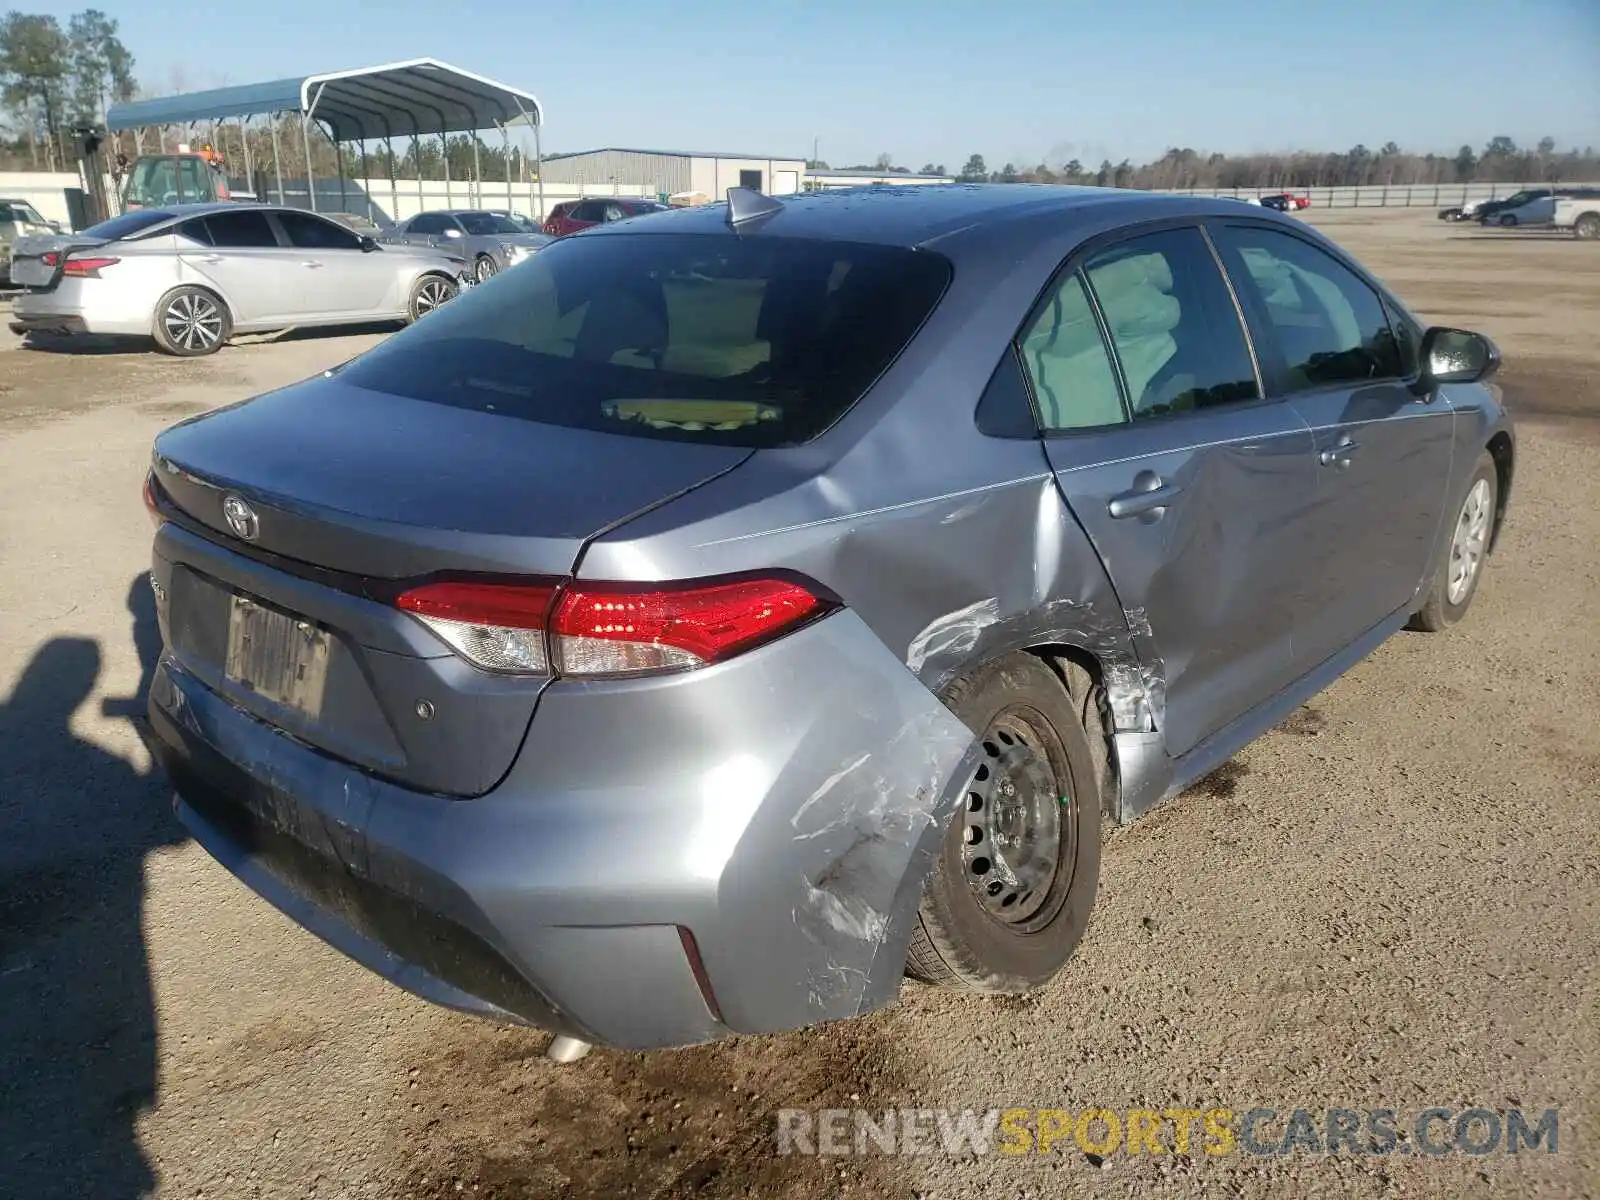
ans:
x=951 y=548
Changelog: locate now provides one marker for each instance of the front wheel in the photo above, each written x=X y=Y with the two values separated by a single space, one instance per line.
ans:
x=485 y=268
x=1455 y=579
x=1507 y=221
x=427 y=294
x=1009 y=897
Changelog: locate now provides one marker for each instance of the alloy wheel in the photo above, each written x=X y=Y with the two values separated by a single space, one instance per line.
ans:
x=431 y=295
x=193 y=321
x=1469 y=542
x=485 y=269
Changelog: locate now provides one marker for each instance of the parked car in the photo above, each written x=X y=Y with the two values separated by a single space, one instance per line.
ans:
x=191 y=275
x=572 y=215
x=1580 y=212
x=1489 y=211
x=1286 y=202
x=18 y=218
x=1535 y=212
x=711 y=620
x=488 y=241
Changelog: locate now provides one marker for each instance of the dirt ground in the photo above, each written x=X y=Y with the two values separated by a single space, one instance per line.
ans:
x=1393 y=901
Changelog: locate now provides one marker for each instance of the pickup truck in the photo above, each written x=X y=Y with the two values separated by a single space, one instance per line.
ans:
x=1581 y=214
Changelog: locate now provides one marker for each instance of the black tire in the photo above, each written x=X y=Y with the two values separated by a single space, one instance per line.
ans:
x=1508 y=221
x=427 y=294
x=1450 y=214
x=484 y=268
x=1587 y=227
x=995 y=944
x=191 y=322
x=1445 y=601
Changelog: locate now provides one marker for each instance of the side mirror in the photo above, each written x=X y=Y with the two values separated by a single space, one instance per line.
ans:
x=1456 y=356
x=452 y=233
x=368 y=243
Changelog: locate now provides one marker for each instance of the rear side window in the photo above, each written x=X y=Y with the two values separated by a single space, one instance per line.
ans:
x=241 y=230
x=1328 y=325
x=313 y=233
x=1074 y=383
x=699 y=337
x=426 y=223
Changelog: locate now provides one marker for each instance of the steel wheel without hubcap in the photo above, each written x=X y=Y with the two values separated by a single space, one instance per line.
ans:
x=1467 y=546
x=485 y=269
x=1019 y=825
x=193 y=322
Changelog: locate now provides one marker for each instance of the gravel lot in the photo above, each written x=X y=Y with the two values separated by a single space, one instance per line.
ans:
x=1392 y=901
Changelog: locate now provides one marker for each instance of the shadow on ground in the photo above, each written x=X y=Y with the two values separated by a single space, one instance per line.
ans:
x=77 y=1016
x=1566 y=393
x=86 y=344
x=93 y=345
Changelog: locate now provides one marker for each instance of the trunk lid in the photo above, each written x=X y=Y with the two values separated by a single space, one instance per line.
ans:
x=385 y=486
x=352 y=488
x=36 y=260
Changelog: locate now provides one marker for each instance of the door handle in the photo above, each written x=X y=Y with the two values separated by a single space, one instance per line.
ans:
x=1339 y=454
x=211 y=258
x=311 y=265
x=1150 y=494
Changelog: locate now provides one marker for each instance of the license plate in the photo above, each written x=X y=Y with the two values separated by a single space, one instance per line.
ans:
x=279 y=657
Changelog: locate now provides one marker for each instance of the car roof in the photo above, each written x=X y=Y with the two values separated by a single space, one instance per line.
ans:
x=916 y=215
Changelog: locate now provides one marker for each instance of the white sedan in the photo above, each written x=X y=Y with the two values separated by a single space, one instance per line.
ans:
x=191 y=275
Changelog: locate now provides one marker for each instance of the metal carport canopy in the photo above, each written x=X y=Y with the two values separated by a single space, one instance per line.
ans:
x=418 y=96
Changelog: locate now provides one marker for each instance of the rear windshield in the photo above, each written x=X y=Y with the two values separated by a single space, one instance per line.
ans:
x=128 y=224
x=12 y=210
x=754 y=341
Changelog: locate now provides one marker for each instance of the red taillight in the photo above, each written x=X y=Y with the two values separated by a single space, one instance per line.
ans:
x=608 y=629
x=616 y=629
x=88 y=268
x=50 y=258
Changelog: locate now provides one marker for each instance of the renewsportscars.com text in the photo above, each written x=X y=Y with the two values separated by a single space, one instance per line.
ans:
x=1263 y=1132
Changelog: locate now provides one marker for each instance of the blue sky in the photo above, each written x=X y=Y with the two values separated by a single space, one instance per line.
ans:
x=937 y=80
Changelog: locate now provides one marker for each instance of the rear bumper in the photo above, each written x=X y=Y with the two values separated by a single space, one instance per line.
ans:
x=57 y=323
x=735 y=850
x=69 y=309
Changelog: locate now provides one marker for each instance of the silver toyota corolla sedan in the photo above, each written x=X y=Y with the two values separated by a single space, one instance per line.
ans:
x=489 y=241
x=728 y=612
x=192 y=275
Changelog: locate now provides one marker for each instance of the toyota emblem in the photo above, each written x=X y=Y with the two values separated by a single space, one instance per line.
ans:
x=241 y=518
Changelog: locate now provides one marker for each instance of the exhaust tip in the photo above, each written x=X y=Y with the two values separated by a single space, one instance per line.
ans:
x=565 y=1049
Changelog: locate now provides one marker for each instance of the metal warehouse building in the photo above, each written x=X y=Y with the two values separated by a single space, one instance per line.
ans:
x=674 y=172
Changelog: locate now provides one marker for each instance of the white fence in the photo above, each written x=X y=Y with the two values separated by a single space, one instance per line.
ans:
x=1378 y=195
x=374 y=198
x=383 y=202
